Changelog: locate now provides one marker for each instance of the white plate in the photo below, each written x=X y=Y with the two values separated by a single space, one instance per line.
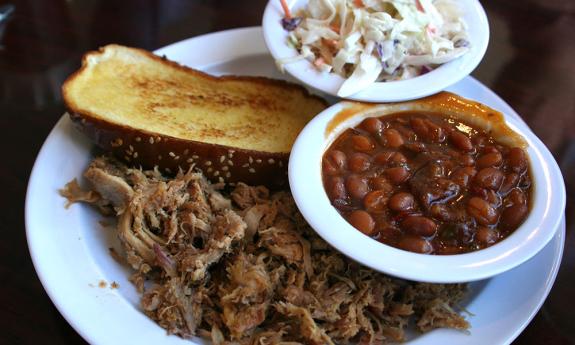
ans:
x=69 y=247
x=427 y=84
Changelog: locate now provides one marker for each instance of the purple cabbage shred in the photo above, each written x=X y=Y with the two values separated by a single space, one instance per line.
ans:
x=425 y=70
x=379 y=49
x=461 y=43
x=289 y=24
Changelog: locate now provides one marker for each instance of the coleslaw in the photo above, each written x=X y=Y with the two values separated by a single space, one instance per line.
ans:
x=367 y=41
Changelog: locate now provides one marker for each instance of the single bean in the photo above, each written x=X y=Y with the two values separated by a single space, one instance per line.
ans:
x=328 y=168
x=486 y=236
x=489 y=149
x=419 y=127
x=388 y=231
x=402 y=202
x=462 y=176
x=441 y=212
x=362 y=143
x=416 y=147
x=461 y=141
x=397 y=175
x=372 y=124
x=419 y=225
x=513 y=216
x=509 y=182
x=398 y=157
x=478 y=191
x=517 y=160
x=415 y=244
x=343 y=205
x=491 y=159
x=338 y=159
x=393 y=138
x=490 y=178
x=466 y=160
x=356 y=186
x=406 y=132
x=447 y=129
x=362 y=221
x=427 y=130
x=492 y=198
x=381 y=183
x=516 y=196
x=482 y=211
x=358 y=162
x=375 y=201
x=336 y=187
x=383 y=158
x=435 y=132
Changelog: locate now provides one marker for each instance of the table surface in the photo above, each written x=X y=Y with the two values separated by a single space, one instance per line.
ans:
x=529 y=63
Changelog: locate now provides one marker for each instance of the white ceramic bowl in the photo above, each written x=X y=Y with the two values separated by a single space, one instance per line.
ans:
x=427 y=84
x=305 y=178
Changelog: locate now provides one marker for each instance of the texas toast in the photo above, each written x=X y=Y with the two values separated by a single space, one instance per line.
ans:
x=154 y=112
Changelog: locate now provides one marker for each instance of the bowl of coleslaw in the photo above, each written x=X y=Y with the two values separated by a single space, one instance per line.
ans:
x=373 y=50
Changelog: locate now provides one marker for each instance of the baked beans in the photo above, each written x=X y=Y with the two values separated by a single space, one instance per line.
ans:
x=427 y=183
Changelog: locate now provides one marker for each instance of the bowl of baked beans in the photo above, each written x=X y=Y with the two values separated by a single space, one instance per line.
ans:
x=440 y=189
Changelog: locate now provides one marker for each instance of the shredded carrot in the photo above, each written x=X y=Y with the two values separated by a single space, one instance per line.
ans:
x=334 y=28
x=286 y=9
x=358 y=3
x=332 y=44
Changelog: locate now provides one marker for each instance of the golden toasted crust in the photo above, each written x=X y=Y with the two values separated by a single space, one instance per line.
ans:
x=150 y=111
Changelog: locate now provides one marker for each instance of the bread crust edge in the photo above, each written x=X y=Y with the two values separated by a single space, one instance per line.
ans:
x=219 y=163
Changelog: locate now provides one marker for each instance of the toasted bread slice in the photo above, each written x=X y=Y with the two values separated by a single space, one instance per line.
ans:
x=153 y=112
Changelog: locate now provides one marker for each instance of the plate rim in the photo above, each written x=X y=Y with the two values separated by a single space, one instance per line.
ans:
x=92 y=335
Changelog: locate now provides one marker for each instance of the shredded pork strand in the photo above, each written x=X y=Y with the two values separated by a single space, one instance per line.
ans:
x=242 y=266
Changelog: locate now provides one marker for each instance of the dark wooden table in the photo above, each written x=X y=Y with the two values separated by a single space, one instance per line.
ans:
x=530 y=63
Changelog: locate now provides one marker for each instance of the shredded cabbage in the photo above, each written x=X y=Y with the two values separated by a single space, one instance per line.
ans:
x=366 y=41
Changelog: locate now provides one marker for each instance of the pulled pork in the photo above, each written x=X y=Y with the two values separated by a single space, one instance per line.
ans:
x=245 y=268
